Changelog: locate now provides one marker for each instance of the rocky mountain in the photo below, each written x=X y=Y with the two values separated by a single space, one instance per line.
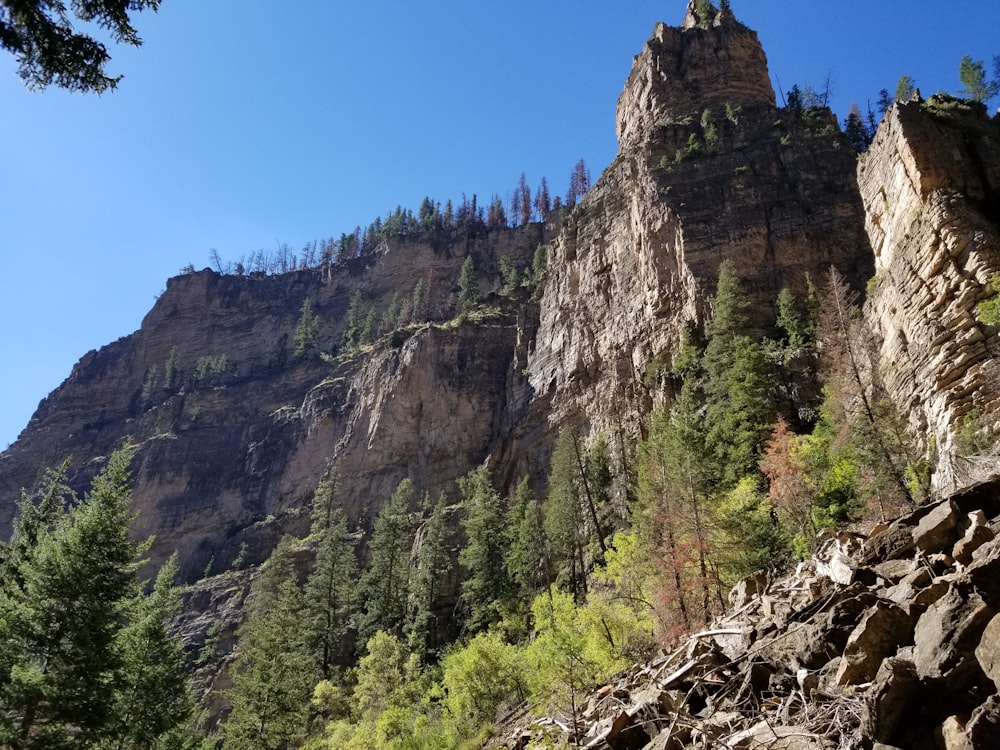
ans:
x=241 y=402
x=704 y=173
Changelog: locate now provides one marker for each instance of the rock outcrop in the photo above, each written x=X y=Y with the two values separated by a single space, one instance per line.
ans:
x=931 y=187
x=708 y=169
x=235 y=431
x=232 y=457
x=679 y=72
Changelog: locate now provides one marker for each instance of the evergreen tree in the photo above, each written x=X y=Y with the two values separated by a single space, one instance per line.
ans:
x=525 y=557
x=739 y=383
x=49 y=50
x=355 y=322
x=847 y=354
x=271 y=674
x=63 y=605
x=384 y=585
x=331 y=593
x=543 y=204
x=523 y=194
x=418 y=302
x=565 y=515
x=579 y=183
x=34 y=519
x=972 y=74
x=705 y=11
x=486 y=585
x=599 y=477
x=306 y=330
x=791 y=321
x=155 y=698
x=430 y=571
x=676 y=482
x=856 y=131
x=497 y=217
x=905 y=88
x=468 y=284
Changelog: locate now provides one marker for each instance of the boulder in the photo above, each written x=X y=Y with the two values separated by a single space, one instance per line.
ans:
x=983 y=727
x=748 y=589
x=626 y=733
x=890 y=544
x=974 y=538
x=882 y=630
x=894 y=570
x=887 y=703
x=950 y=735
x=938 y=530
x=988 y=651
x=946 y=635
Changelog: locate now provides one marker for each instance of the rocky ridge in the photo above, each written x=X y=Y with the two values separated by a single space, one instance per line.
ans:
x=889 y=639
x=704 y=174
x=232 y=459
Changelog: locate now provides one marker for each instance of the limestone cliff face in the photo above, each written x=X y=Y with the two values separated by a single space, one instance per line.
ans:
x=233 y=457
x=707 y=170
x=235 y=430
x=931 y=187
x=679 y=72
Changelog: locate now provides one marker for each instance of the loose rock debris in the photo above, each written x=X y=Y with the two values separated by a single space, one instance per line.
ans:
x=890 y=640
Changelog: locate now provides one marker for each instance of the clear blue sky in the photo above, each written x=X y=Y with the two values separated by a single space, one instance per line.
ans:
x=241 y=124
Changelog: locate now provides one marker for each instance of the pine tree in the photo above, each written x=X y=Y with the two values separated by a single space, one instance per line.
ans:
x=384 y=585
x=905 y=88
x=468 y=284
x=34 y=519
x=155 y=697
x=355 y=322
x=565 y=514
x=486 y=585
x=972 y=74
x=525 y=559
x=331 y=592
x=856 y=131
x=430 y=571
x=306 y=330
x=739 y=384
x=523 y=194
x=63 y=604
x=418 y=302
x=271 y=674
x=543 y=204
x=676 y=482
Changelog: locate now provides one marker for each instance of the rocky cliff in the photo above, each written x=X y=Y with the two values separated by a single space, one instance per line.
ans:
x=230 y=456
x=235 y=430
x=708 y=169
x=931 y=188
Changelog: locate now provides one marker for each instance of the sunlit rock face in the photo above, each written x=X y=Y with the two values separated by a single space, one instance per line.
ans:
x=708 y=169
x=931 y=188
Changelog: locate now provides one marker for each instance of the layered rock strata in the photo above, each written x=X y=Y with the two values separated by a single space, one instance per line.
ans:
x=703 y=174
x=231 y=457
x=931 y=188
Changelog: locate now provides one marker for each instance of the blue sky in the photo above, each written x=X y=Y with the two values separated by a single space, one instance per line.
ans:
x=238 y=127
